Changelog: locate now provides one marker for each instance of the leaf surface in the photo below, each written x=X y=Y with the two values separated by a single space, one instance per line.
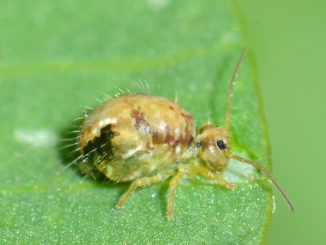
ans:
x=57 y=56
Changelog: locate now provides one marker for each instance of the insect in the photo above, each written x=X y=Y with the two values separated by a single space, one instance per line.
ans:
x=145 y=139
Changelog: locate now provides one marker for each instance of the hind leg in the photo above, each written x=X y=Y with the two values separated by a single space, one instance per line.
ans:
x=142 y=182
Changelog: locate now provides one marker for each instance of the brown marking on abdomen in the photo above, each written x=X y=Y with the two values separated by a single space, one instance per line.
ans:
x=169 y=138
x=158 y=137
x=186 y=116
x=141 y=124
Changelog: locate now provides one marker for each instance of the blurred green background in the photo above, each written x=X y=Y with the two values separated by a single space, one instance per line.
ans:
x=288 y=39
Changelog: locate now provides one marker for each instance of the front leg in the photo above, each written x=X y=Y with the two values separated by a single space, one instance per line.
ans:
x=172 y=186
x=210 y=175
x=192 y=170
x=142 y=182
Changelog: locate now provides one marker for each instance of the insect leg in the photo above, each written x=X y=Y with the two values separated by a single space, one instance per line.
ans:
x=142 y=182
x=172 y=186
x=211 y=175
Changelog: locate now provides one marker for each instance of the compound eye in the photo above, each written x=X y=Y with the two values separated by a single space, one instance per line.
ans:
x=221 y=144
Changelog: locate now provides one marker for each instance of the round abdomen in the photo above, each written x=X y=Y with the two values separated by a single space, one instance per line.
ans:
x=134 y=135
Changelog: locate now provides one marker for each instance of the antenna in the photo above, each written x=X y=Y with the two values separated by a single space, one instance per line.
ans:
x=256 y=165
x=228 y=100
x=227 y=129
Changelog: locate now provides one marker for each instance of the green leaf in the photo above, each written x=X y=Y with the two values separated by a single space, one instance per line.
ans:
x=57 y=56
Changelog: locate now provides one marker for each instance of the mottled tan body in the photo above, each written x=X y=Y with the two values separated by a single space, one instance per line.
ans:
x=146 y=139
x=149 y=134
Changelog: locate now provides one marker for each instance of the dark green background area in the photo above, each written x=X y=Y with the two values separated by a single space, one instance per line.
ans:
x=288 y=39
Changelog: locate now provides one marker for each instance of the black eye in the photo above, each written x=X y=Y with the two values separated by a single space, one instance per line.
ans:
x=221 y=144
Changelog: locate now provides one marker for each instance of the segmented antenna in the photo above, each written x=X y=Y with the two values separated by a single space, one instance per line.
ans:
x=256 y=165
x=227 y=129
x=228 y=100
